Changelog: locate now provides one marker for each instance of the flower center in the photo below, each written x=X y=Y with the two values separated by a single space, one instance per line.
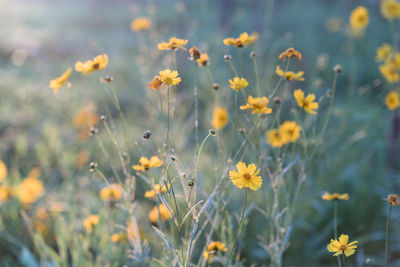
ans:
x=96 y=66
x=146 y=166
x=343 y=247
x=246 y=176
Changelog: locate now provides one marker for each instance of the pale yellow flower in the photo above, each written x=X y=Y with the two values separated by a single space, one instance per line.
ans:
x=169 y=77
x=238 y=84
x=306 y=102
x=246 y=176
x=140 y=24
x=160 y=211
x=258 y=105
x=173 y=44
x=390 y=9
x=220 y=118
x=89 y=66
x=342 y=246
x=57 y=83
x=392 y=100
x=243 y=40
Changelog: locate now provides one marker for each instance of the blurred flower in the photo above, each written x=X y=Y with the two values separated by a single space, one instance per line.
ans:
x=89 y=66
x=389 y=71
x=238 y=83
x=220 y=118
x=342 y=246
x=258 y=105
x=390 y=9
x=161 y=211
x=306 y=102
x=392 y=100
x=3 y=171
x=30 y=189
x=335 y=196
x=84 y=119
x=155 y=83
x=57 y=83
x=203 y=60
x=140 y=24
x=157 y=189
x=173 y=44
x=383 y=52
x=5 y=193
x=359 y=18
x=169 y=77
x=276 y=138
x=82 y=158
x=90 y=222
x=112 y=192
x=213 y=248
x=393 y=200
x=290 y=130
x=334 y=24
x=290 y=53
x=246 y=176
x=126 y=236
x=194 y=53
x=243 y=40
x=146 y=164
x=289 y=75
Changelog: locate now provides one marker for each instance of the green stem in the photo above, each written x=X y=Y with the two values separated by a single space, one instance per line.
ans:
x=168 y=114
x=233 y=68
x=280 y=80
x=257 y=76
x=343 y=261
x=240 y=60
x=121 y=116
x=335 y=211
x=330 y=105
x=387 y=236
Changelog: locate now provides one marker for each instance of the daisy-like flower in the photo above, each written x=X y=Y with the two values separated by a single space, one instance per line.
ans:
x=290 y=53
x=213 y=248
x=140 y=24
x=59 y=82
x=335 y=196
x=393 y=200
x=306 y=102
x=276 y=138
x=113 y=192
x=246 y=176
x=162 y=211
x=342 y=246
x=383 y=52
x=156 y=83
x=258 y=105
x=146 y=164
x=238 y=84
x=290 y=130
x=203 y=60
x=243 y=40
x=392 y=100
x=289 y=75
x=359 y=18
x=89 y=66
x=389 y=71
x=169 y=77
x=173 y=44
x=390 y=9
x=90 y=222
x=220 y=118
x=3 y=171
x=157 y=189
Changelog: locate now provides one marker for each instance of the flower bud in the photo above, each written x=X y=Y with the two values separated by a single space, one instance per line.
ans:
x=227 y=57
x=212 y=132
x=252 y=54
x=103 y=118
x=92 y=166
x=338 y=68
x=147 y=134
x=215 y=86
x=277 y=100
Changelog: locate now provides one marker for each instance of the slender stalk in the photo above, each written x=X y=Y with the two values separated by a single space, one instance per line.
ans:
x=257 y=76
x=233 y=68
x=121 y=116
x=168 y=114
x=343 y=261
x=240 y=61
x=174 y=58
x=335 y=231
x=387 y=236
x=100 y=173
x=280 y=80
x=330 y=105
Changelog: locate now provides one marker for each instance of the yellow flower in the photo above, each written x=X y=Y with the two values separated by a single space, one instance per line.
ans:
x=290 y=75
x=220 y=118
x=89 y=66
x=290 y=130
x=146 y=164
x=57 y=83
x=173 y=44
x=203 y=60
x=5 y=193
x=359 y=18
x=156 y=83
x=290 y=53
x=389 y=71
x=157 y=189
x=164 y=213
x=392 y=100
x=342 y=246
x=169 y=77
x=3 y=171
x=30 y=189
x=276 y=138
x=383 y=52
x=393 y=200
x=306 y=102
x=140 y=24
x=335 y=196
x=126 y=236
x=213 y=248
x=246 y=176
x=113 y=192
x=390 y=9
x=84 y=119
x=238 y=83
x=90 y=222
x=258 y=105
x=396 y=60
x=243 y=40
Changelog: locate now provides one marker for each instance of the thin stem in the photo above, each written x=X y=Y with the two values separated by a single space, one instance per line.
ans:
x=335 y=211
x=174 y=58
x=233 y=68
x=387 y=236
x=102 y=176
x=240 y=61
x=121 y=116
x=257 y=76
x=343 y=261
x=168 y=114
x=330 y=105
x=280 y=80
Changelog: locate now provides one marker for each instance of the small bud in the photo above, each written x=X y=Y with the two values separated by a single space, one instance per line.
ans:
x=215 y=86
x=227 y=57
x=212 y=132
x=368 y=261
x=147 y=134
x=103 y=118
x=393 y=200
x=93 y=131
x=106 y=79
x=190 y=183
x=329 y=93
x=252 y=54
x=173 y=158
x=277 y=100
x=92 y=166
x=242 y=130
x=338 y=68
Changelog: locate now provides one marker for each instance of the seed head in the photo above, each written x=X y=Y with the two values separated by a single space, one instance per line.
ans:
x=227 y=57
x=338 y=68
x=147 y=134
x=212 y=132
x=92 y=166
x=106 y=79
x=103 y=118
x=252 y=54
x=277 y=100
x=215 y=86
x=93 y=131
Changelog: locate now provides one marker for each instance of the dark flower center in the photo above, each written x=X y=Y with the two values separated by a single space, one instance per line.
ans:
x=247 y=176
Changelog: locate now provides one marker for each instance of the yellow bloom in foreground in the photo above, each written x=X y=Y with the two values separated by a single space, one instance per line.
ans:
x=213 y=248
x=383 y=52
x=220 y=118
x=258 y=105
x=113 y=192
x=276 y=138
x=238 y=83
x=169 y=77
x=243 y=40
x=359 y=18
x=290 y=130
x=3 y=171
x=290 y=53
x=157 y=189
x=390 y=9
x=164 y=213
x=173 y=44
x=306 y=102
x=140 y=24
x=392 y=100
x=30 y=189
x=146 y=164
x=393 y=200
x=342 y=246
x=335 y=196
x=389 y=71
x=90 y=222
x=246 y=176
x=289 y=75
x=57 y=83
x=89 y=66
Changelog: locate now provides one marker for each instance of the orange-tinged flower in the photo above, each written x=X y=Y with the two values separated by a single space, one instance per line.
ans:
x=161 y=211
x=157 y=189
x=213 y=248
x=342 y=246
x=90 y=222
x=113 y=192
x=238 y=83
x=335 y=196
x=3 y=171
x=393 y=200
x=390 y=9
x=30 y=189
x=246 y=176
x=169 y=77
x=290 y=53
x=57 y=83
x=140 y=24
x=5 y=193
x=220 y=118
x=290 y=75
x=84 y=119
x=156 y=83
x=194 y=53
x=306 y=102
x=276 y=138
x=258 y=105
x=203 y=60
x=89 y=66
x=146 y=164
x=243 y=40
x=173 y=44
x=290 y=130
x=392 y=100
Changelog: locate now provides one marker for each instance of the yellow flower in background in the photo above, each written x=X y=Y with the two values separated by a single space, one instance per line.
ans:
x=146 y=164
x=238 y=84
x=392 y=100
x=243 y=40
x=173 y=44
x=290 y=130
x=393 y=200
x=290 y=75
x=258 y=105
x=155 y=83
x=389 y=71
x=246 y=176
x=306 y=102
x=203 y=60
x=140 y=24
x=84 y=119
x=334 y=24
x=89 y=66
x=169 y=77
x=57 y=83
x=342 y=246
x=383 y=52
x=157 y=189
x=335 y=196
x=82 y=159
x=90 y=222
x=5 y=193
x=213 y=248
x=396 y=60
x=276 y=138
x=359 y=18
x=220 y=118
x=390 y=9
x=290 y=53
x=126 y=236
x=164 y=213
x=113 y=192
x=3 y=171
x=30 y=190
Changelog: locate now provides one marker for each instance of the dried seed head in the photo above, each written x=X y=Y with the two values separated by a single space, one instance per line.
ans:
x=215 y=86
x=103 y=118
x=106 y=79
x=227 y=57
x=242 y=130
x=92 y=166
x=329 y=93
x=252 y=54
x=173 y=158
x=212 y=132
x=277 y=100
x=93 y=131
x=338 y=68
x=393 y=200
x=190 y=183
x=147 y=134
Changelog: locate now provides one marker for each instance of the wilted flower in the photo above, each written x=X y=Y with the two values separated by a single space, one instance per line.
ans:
x=238 y=84
x=194 y=53
x=393 y=200
x=161 y=211
x=203 y=60
x=173 y=44
x=390 y=9
x=89 y=66
x=258 y=105
x=140 y=24
x=213 y=248
x=157 y=189
x=220 y=118
x=290 y=75
x=335 y=196
x=246 y=176
x=112 y=192
x=57 y=83
x=342 y=246
x=392 y=100
x=290 y=53
x=243 y=40
x=146 y=164
x=170 y=77
x=306 y=102
x=156 y=83
x=90 y=222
